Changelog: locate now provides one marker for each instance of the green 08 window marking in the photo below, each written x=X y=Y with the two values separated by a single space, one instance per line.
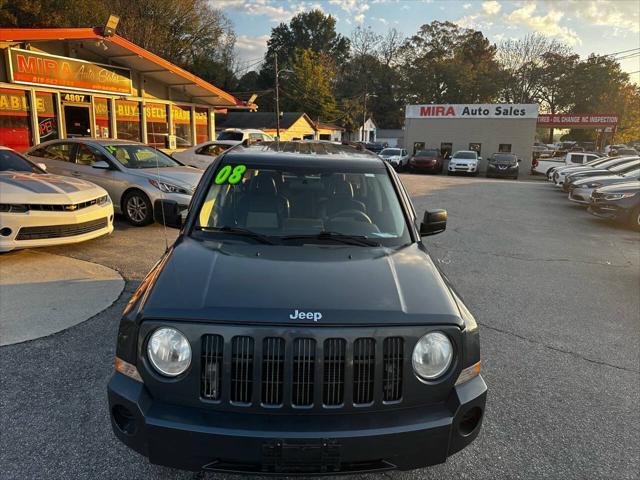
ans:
x=230 y=175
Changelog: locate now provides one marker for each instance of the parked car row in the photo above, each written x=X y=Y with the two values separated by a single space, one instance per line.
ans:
x=430 y=160
x=67 y=191
x=608 y=186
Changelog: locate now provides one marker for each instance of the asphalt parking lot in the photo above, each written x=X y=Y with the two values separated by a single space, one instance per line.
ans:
x=556 y=294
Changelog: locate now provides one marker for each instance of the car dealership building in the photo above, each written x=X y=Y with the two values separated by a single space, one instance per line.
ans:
x=486 y=128
x=66 y=82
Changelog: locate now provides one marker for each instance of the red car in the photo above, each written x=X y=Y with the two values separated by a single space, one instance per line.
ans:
x=429 y=160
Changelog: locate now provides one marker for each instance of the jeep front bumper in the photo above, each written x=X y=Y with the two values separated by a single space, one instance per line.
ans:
x=302 y=443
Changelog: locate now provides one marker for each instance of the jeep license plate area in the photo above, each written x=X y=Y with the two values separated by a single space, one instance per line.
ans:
x=301 y=456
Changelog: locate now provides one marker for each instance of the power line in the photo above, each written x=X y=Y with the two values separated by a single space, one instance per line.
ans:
x=247 y=67
x=637 y=54
x=618 y=53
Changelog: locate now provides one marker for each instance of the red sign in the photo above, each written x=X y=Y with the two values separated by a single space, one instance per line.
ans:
x=578 y=120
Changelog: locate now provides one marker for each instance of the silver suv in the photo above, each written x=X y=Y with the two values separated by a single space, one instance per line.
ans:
x=134 y=174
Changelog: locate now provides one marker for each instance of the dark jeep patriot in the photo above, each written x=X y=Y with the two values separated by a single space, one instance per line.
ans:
x=297 y=325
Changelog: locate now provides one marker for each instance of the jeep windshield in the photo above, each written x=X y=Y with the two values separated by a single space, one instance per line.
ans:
x=296 y=205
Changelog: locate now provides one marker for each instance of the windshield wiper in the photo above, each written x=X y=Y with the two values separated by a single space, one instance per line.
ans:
x=338 y=237
x=240 y=231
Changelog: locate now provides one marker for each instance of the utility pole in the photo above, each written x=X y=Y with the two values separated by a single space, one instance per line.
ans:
x=364 y=114
x=277 y=99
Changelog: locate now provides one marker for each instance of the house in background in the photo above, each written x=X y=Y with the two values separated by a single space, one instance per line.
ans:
x=329 y=131
x=370 y=133
x=392 y=137
x=293 y=125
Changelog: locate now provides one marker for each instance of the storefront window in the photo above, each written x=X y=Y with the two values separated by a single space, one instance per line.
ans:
x=47 y=116
x=182 y=122
x=476 y=147
x=128 y=120
x=202 y=125
x=15 y=125
x=157 y=125
x=102 y=114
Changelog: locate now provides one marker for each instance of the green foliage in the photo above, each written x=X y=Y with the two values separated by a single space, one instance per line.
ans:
x=308 y=87
x=444 y=63
x=189 y=33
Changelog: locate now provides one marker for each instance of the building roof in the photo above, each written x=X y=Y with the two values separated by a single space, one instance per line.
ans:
x=329 y=126
x=127 y=54
x=259 y=120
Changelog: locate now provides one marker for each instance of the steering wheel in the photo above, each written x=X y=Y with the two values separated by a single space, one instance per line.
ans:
x=357 y=215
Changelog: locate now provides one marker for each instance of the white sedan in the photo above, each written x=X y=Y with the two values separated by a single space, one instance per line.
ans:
x=38 y=209
x=203 y=154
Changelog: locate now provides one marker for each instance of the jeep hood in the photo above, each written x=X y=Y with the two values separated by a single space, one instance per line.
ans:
x=253 y=284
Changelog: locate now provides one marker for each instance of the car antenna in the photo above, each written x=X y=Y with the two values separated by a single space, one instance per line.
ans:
x=164 y=220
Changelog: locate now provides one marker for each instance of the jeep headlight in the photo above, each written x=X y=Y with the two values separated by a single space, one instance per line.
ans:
x=432 y=356
x=169 y=352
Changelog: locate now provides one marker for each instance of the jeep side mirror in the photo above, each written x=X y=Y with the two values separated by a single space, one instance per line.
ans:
x=434 y=221
x=166 y=212
x=42 y=166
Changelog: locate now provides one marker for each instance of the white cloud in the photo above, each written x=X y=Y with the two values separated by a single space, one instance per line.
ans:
x=249 y=48
x=548 y=24
x=491 y=7
x=619 y=15
x=273 y=10
x=355 y=8
x=466 y=6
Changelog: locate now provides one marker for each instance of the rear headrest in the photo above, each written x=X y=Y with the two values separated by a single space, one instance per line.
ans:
x=342 y=189
x=263 y=185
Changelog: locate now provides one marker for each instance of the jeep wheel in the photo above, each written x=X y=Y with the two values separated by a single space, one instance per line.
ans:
x=137 y=208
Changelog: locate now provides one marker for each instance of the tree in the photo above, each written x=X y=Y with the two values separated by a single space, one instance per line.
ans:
x=524 y=62
x=189 y=33
x=600 y=86
x=308 y=88
x=311 y=30
x=629 y=127
x=444 y=63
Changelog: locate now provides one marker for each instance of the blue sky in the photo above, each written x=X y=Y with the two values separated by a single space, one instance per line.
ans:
x=589 y=26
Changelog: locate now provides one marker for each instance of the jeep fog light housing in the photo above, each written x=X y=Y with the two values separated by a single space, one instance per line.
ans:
x=432 y=356
x=169 y=352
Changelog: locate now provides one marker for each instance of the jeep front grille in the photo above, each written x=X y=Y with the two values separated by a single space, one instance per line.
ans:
x=211 y=366
x=302 y=372
x=241 y=369
x=334 y=360
x=364 y=362
x=393 y=359
x=272 y=371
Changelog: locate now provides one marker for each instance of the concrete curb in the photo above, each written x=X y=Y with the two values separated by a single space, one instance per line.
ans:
x=42 y=294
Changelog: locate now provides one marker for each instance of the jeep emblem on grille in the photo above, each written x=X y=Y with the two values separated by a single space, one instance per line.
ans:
x=315 y=316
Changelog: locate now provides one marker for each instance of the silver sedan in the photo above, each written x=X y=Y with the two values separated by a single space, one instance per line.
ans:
x=134 y=174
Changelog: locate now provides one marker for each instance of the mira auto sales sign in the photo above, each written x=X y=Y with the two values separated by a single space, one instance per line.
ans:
x=508 y=110
x=36 y=68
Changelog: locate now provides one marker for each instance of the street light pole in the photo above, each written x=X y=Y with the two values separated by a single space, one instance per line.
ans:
x=277 y=99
